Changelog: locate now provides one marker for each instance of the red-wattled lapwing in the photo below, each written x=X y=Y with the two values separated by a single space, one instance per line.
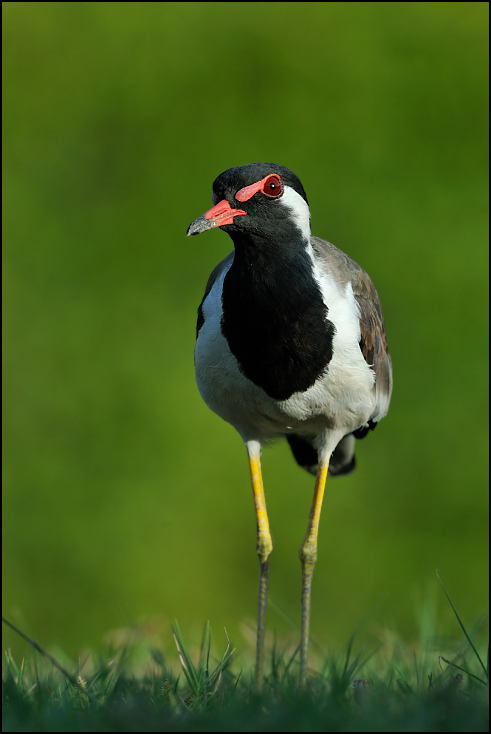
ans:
x=290 y=342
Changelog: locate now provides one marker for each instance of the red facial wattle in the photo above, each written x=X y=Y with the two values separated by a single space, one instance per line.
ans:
x=270 y=185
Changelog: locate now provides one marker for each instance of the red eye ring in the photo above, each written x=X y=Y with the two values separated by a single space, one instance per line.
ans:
x=272 y=186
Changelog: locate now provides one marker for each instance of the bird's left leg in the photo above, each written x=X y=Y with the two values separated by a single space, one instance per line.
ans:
x=264 y=546
x=308 y=557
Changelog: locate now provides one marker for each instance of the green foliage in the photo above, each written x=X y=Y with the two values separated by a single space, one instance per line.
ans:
x=125 y=498
x=402 y=691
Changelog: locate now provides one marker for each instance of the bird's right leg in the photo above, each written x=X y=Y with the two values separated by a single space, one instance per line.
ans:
x=264 y=546
x=308 y=557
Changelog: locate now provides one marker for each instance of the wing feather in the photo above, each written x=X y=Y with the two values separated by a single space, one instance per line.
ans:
x=373 y=341
x=215 y=273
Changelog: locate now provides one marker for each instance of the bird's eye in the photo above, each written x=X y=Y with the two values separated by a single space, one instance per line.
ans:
x=215 y=199
x=272 y=186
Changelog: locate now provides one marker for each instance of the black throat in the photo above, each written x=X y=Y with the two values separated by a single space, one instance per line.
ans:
x=274 y=318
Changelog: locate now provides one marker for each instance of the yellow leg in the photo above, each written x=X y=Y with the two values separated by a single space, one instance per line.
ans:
x=264 y=547
x=308 y=557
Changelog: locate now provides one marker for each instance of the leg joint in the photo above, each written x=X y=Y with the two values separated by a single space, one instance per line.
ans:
x=264 y=547
x=308 y=553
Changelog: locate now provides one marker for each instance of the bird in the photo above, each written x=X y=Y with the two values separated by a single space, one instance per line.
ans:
x=290 y=343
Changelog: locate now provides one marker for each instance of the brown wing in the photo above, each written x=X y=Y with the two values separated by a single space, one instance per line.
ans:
x=215 y=273
x=373 y=341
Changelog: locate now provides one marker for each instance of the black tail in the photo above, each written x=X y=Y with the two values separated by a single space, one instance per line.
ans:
x=342 y=459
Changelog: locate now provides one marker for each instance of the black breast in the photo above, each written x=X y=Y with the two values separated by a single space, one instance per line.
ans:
x=275 y=322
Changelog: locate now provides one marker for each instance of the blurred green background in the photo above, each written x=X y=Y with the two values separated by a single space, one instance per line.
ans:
x=125 y=498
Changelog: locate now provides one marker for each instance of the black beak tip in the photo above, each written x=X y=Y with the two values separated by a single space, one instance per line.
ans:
x=199 y=225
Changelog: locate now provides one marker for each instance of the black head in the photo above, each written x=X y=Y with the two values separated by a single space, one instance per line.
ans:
x=258 y=199
x=228 y=183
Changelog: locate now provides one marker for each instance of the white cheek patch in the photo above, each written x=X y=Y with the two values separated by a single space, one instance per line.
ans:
x=298 y=210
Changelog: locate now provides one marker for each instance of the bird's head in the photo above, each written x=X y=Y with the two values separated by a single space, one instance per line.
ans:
x=263 y=200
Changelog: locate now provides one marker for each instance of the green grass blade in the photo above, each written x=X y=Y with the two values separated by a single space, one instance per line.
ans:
x=207 y=668
x=223 y=664
x=204 y=655
x=186 y=662
x=289 y=663
x=471 y=675
x=73 y=680
x=348 y=653
x=11 y=663
x=361 y=624
x=295 y=625
x=365 y=661
x=463 y=628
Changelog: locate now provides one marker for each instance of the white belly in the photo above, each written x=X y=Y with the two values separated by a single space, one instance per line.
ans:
x=340 y=401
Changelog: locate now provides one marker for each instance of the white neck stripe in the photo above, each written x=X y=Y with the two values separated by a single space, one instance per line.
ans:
x=298 y=211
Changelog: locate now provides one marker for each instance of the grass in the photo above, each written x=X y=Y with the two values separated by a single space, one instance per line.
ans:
x=394 y=688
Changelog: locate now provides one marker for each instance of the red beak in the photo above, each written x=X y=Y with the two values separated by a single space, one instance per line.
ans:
x=219 y=216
